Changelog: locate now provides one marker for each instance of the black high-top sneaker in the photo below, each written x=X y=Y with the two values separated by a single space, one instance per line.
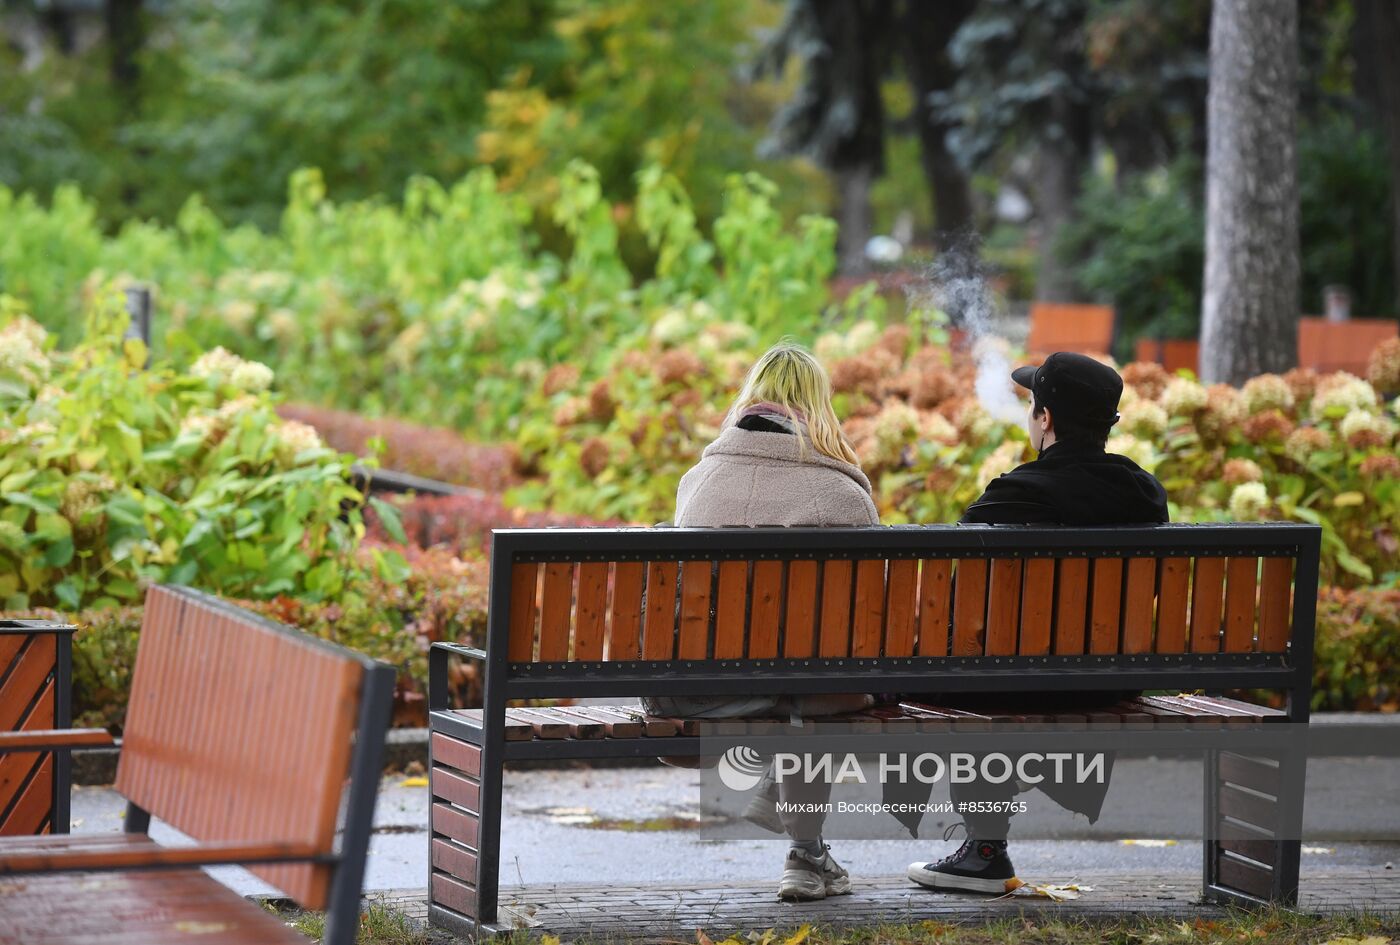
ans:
x=980 y=866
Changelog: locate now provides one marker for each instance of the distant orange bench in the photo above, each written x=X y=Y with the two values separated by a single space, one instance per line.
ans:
x=1342 y=346
x=1055 y=326
x=240 y=734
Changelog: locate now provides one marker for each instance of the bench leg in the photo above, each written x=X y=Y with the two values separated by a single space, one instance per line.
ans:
x=1253 y=826
x=465 y=826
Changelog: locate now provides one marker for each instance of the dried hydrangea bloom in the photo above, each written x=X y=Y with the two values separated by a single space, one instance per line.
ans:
x=561 y=377
x=595 y=456
x=1267 y=392
x=1249 y=502
x=1362 y=430
x=1383 y=371
x=1381 y=466
x=1269 y=426
x=1241 y=470
x=1224 y=412
x=1146 y=379
x=678 y=367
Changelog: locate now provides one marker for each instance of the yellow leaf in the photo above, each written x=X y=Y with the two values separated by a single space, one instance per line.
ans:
x=1352 y=940
x=701 y=938
x=201 y=928
x=799 y=936
x=549 y=940
x=1147 y=842
x=414 y=782
x=1348 y=498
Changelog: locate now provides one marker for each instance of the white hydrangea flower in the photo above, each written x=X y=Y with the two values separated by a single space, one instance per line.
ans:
x=1182 y=397
x=216 y=364
x=1143 y=418
x=1249 y=501
x=1342 y=393
x=22 y=352
x=295 y=437
x=1139 y=451
x=252 y=376
x=673 y=327
x=1267 y=392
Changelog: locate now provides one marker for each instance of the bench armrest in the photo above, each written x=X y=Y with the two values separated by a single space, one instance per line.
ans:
x=438 y=655
x=52 y=739
x=155 y=858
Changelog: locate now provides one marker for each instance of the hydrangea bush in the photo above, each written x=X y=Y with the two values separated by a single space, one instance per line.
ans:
x=112 y=476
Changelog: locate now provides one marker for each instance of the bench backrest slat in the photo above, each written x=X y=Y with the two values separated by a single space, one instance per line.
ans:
x=1173 y=597
x=658 y=633
x=765 y=609
x=903 y=607
x=695 y=610
x=712 y=601
x=1207 y=601
x=1275 y=604
x=524 y=587
x=800 y=627
x=625 y=633
x=592 y=610
x=970 y=607
x=1037 y=600
x=935 y=603
x=239 y=731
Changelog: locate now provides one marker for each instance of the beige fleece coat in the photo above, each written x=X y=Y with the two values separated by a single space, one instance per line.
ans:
x=750 y=477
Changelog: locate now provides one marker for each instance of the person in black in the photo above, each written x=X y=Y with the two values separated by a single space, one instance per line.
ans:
x=1073 y=481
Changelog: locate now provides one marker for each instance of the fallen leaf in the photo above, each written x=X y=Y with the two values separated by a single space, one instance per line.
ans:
x=414 y=782
x=701 y=938
x=1147 y=842
x=1350 y=940
x=1319 y=850
x=798 y=937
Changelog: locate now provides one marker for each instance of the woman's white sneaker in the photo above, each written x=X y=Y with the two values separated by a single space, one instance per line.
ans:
x=806 y=878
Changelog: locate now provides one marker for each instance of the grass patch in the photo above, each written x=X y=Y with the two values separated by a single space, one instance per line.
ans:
x=380 y=925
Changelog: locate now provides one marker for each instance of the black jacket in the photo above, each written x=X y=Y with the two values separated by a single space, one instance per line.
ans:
x=1072 y=484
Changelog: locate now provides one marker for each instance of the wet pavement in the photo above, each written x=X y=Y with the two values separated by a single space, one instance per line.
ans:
x=641 y=825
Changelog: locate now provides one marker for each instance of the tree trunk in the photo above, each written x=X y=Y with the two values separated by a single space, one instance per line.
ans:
x=924 y=30
x=1250 y=298
x=1377 y=36
x=855 y=220
x=1061 y=163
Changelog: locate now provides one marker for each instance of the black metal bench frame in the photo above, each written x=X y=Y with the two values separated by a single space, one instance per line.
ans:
x=1290 y=673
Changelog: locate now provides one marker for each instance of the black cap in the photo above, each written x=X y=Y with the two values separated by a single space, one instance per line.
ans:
x=1074 y=386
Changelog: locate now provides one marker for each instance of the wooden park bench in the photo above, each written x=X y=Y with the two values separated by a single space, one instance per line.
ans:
x=625 y=612
x=1057 y=326
x=241 y=734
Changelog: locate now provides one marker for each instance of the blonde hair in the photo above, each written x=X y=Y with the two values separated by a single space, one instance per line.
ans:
x=790 y=377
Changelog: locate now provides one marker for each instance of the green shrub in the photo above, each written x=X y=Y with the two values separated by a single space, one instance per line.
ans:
x=1358 y=635
x=112 y=476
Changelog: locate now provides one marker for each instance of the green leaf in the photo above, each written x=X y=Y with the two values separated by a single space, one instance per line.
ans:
x=390 y=519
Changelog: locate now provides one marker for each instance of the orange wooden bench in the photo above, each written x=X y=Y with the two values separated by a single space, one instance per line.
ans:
x=241 y=734
x=621 y=613
x=1328 y=346
x=36 y=684
x=1056 y=326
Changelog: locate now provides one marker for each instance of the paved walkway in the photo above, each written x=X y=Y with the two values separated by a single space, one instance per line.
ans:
x=673 y=913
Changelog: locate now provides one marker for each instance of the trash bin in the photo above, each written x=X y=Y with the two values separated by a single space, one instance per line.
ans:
x=36 y=693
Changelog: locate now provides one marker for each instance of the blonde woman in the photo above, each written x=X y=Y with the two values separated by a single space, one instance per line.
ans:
x=780 y=460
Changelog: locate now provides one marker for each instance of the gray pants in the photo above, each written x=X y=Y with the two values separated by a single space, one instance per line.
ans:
x=801 y=825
